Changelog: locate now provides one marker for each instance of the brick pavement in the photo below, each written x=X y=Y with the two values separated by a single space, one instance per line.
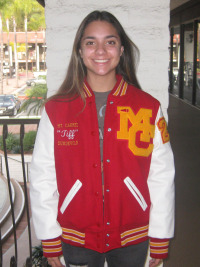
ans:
x=10 y=85
x=21 y=226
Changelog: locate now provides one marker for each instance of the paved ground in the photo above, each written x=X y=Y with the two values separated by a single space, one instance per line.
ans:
x=10 y=85
x=184 y=128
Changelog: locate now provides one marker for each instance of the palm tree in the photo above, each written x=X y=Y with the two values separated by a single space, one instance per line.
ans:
x=26 y=8
x=36 y=97
x=3 y=6
x=36 y=22
x=25 y=14
x=1 y=30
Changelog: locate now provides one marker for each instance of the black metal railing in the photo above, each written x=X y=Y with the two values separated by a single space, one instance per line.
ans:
x=5 y=123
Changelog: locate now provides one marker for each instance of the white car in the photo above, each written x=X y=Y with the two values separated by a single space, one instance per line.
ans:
x=39 y=80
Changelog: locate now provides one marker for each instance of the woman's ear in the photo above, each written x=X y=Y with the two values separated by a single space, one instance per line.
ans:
x=122 y=50
x=80 y=52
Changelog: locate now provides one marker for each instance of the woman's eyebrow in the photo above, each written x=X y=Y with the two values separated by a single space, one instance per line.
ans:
x=112 y=36
x=89 y=37
x=106 y=37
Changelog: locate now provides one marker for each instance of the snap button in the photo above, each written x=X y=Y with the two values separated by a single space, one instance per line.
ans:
x=107 y=190
x=107 y=245
x=108 y=223
x=108 y=160
x=107 y=235
x=109 y=129
x=111 y=102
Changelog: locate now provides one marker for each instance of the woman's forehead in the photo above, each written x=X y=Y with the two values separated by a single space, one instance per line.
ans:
x=100 y=29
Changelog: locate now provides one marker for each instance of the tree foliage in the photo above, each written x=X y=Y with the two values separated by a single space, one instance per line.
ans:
x=21 y=9
x=36 y=96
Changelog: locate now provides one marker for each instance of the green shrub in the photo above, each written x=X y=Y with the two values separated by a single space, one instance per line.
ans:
x=36 y=96
x=16 y=149
x=29 y=140
x=11 y=141
x=37 y=257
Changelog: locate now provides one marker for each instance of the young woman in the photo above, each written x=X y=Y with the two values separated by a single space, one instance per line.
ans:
x=102 y=174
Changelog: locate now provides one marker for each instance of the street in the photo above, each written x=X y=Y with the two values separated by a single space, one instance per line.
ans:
x=9 y=87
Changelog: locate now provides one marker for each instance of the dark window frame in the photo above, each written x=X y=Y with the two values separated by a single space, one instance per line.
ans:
x=181 y=17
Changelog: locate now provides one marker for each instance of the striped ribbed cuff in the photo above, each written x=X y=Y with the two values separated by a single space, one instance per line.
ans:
x=52 y=247
x=159 y=248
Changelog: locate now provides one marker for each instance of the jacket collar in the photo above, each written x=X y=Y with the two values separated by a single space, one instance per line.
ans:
x=119 y=89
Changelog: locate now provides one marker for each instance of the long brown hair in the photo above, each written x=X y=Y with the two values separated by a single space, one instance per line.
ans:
x=72 y=86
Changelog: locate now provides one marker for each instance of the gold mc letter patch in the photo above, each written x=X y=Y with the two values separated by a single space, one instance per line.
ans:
x=162 y=126
x=140 y=123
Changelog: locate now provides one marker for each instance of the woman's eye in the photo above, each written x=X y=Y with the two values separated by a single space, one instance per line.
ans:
x=90 y=43
x=111 y=42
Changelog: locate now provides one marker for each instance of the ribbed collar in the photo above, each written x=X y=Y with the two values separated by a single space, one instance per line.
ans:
x=119 y=89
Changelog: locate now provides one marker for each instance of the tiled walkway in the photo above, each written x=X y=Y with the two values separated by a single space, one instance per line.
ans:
x=20 y=229
x=184 y=127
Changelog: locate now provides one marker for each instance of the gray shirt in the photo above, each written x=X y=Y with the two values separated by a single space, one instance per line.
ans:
x=101 y=100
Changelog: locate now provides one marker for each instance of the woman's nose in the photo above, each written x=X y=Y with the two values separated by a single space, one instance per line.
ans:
x=100 y=49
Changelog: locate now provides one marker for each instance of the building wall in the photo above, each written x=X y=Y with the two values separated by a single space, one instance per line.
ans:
x=146 y=22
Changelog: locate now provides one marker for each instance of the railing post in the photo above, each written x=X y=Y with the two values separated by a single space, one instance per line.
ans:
x=26 y=192
x=1 y=166
x=27 y=171
x=5 y=123
x=13 y=261
x=1 y=254
x=28 y=262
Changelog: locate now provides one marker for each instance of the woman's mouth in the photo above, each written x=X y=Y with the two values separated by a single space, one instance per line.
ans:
x=100 y=60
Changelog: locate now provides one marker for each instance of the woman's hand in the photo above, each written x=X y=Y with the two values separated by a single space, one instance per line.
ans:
x=55 y=262
x=154 y=262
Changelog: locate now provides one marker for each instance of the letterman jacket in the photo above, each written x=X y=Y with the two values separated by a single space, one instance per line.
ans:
x=137 y=201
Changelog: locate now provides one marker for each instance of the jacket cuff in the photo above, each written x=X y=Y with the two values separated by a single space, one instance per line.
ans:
x=159 y=248
x=52 y=247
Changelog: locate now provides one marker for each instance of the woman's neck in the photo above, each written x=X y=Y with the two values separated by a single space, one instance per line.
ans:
x=101 y=83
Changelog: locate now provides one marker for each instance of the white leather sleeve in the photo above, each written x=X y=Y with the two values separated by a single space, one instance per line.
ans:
x=43 y=184
x=161 y=187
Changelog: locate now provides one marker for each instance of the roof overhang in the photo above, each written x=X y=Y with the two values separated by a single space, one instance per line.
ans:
x=41 y=2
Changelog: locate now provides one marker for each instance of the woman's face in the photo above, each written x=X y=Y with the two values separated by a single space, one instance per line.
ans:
x=100 y=49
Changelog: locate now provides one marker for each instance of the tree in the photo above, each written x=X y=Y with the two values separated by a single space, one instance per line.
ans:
x=4 y=5
x=36 y=22
x=22 y=13
x=36 y=97
x=28 y=9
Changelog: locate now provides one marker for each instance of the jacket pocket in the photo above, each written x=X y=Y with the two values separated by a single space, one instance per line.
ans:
x=135 y=192
x=71 y=194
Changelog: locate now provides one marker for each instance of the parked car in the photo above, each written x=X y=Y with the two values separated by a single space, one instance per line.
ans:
x=9 y=105
x=28 y=82
x=39 y=80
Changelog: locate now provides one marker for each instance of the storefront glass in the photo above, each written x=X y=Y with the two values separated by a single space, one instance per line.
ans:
x=188 y=62
x=176 y=60
x=198 y=68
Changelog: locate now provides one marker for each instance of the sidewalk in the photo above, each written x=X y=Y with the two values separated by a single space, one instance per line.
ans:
x=10 y=84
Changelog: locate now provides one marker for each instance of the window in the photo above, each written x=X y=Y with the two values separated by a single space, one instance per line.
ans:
x=198 y=67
